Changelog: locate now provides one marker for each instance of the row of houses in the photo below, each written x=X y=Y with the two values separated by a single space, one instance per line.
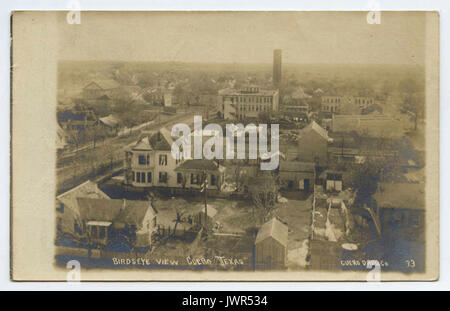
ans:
x=149 y=163
x=69 y=127
x=347 y=104
x=89 y=218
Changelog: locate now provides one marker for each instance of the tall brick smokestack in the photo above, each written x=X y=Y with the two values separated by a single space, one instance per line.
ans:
x=276 y=68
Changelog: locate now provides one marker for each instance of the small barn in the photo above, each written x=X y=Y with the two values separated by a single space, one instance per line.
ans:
x=271 y=246
x=110 y=123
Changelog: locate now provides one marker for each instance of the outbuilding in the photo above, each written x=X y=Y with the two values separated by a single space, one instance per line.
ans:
x=271 y=246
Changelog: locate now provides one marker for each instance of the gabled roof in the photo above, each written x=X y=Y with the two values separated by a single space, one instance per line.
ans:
x=275 y=229
x=104 y=84
x=161 y=140
x=203 y=165
x=129 y=212
x=318 y=91
x=313 y=126
x=300 y=94
x=87 y=189
x=297 y=166
x=110 y=120
x=143 y=144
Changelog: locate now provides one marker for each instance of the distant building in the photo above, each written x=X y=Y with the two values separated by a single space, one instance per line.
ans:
x=348 y=105
x=189 y=174
x=154 y=96
x=249 y=102
x=271 y=246
x=354 y=148
x=73 y=120
x=110 y=123
x=367 y=125
x=296 y=175
x=276 y=68
x=318 y=92
x=296 y=104
x=333 y=180
x=313 y=144
x=168 y=99
x=97 y=89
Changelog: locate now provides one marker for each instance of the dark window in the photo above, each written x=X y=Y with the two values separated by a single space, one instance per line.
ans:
x=162 y=177
x=143 y=177
x=61 y=208
x=102 y=232
x=179 y=178
x=163 y=159
x=76 y=228
x=213 y=180
x=195 y=179
x=149 y=177
x=138 y=175
x=94 y=232
x=142 y=160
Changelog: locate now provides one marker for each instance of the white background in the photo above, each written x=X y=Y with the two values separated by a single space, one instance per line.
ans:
x=443 y=6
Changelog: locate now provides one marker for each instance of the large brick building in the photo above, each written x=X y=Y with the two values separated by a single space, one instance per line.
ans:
x=249 y=102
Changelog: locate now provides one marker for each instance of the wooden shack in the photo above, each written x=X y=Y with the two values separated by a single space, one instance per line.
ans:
x=271 y=246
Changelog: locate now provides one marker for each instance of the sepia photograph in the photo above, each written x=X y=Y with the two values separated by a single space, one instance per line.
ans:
x=225 y=145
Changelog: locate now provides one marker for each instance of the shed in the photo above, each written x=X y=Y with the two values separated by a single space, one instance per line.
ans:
x=271 y=245
x=333 y=180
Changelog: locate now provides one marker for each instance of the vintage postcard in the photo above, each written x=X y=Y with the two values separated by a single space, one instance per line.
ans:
x=225 y=146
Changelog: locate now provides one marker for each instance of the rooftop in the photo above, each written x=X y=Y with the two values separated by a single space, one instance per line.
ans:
x=129 y=212
x=161 y=140
x=296 y=166
x=204 y=165
x=275 y=229
x=234 y=92
x=87 y=189
x=104 y=84
x=313 y=126
x=110 y=120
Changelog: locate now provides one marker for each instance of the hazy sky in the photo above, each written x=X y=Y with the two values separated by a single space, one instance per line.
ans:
x=313 y=37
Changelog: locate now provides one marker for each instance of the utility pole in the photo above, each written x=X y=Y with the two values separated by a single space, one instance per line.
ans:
x=203 y=189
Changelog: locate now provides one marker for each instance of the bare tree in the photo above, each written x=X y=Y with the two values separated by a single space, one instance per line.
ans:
x=365 y=179
x=264 y=193
x=75 y=138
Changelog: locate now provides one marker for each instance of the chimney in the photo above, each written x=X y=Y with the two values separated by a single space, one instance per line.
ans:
x=276 y=76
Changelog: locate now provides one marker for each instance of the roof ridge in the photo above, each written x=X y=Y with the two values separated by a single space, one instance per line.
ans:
x=76 y=187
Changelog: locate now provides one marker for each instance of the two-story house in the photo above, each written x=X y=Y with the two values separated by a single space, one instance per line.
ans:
x=150 y=163
x=312 y=143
